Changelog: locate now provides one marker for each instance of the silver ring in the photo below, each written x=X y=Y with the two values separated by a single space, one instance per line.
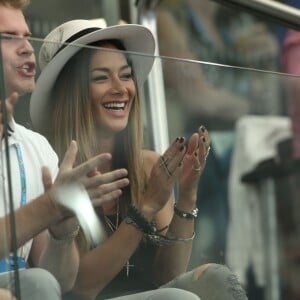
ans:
x=168 y=171
x=197 y=169
x=163 y=161
x=208 y=149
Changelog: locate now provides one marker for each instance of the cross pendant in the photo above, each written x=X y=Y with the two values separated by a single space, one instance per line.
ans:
x=128 y=266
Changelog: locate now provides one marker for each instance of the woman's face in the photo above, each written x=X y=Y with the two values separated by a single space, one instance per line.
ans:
x=112 y=89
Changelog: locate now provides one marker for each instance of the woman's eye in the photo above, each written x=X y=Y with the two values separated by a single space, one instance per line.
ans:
x=99 y=78
x=126 y=76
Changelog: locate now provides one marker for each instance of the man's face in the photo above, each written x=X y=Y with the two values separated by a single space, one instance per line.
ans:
x=17 y=54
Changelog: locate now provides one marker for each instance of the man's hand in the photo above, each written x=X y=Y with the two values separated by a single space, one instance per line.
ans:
x=100 y=187
x=6 y=295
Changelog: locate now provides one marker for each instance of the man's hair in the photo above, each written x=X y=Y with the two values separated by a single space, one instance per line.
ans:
x=19 y=4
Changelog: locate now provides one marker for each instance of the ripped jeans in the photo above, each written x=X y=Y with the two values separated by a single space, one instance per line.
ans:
x=207 y=282
x=216 y=282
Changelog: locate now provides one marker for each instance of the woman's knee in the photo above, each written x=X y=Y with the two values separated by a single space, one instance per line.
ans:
x=216 y=277
x=199 y=271
x=175 y=294
x=38 y=283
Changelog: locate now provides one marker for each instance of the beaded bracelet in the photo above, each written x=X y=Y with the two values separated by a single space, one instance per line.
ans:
x=135 y=217
x=186 y=215
x=65 y=239
x=158 y=239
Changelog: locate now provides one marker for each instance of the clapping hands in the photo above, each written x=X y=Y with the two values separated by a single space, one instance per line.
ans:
x=179 y=162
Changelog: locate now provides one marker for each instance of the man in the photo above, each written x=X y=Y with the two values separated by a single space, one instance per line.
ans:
x=53 y=250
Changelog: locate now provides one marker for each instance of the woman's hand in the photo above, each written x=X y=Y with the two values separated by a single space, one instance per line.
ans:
x=193 y=165
x=162 y=178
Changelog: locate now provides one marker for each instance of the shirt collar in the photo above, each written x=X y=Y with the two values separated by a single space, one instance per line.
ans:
x=14 y=137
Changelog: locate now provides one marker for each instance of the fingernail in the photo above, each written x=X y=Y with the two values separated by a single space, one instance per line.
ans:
x=203 y=129
x=181 y=140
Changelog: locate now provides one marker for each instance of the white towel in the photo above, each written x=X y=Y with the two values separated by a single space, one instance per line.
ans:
x=256 y=140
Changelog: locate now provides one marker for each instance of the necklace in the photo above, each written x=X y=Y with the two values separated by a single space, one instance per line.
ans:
x=113 y=227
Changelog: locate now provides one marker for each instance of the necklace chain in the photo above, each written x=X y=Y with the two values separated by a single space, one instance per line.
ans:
x=113 y=227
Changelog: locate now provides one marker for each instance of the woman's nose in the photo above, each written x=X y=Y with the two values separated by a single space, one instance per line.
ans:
x=118 y=86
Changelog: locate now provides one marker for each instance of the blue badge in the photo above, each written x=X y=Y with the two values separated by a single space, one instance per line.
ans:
x=7 y=264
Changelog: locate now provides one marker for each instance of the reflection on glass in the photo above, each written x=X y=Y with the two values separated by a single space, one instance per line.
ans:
x=250 y=138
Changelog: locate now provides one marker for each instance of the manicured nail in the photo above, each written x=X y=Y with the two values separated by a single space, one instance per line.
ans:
x=203 y=129
x=181 y=140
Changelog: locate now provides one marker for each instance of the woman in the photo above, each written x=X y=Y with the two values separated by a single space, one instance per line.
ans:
x=92 y=97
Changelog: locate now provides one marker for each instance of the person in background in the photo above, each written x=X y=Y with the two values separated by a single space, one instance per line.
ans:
x=289 y=218
x=220 y=42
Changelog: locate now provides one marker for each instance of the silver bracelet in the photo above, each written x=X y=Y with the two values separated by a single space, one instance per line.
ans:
x=161 y=240
x=179 y=239
x=186 y=215
x=66 y=238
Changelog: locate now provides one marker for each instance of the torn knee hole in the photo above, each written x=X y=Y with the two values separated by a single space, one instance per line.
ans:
x=198 y=271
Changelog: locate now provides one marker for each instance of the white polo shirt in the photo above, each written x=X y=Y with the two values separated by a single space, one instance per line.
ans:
x=36 y=152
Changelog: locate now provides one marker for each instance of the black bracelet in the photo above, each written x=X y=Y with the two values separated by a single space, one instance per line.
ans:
x=186 y=215
x=135 y=217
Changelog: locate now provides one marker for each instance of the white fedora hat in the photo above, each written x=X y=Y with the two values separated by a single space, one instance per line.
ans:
x=62 y=43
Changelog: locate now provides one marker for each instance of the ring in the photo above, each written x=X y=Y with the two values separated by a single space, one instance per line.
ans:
x=168 y=171
x=197 y=169
x=208 y=149
x=163 y=161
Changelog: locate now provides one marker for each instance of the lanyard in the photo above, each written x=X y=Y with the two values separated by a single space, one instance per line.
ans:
x=22 y=174
x=7 y=264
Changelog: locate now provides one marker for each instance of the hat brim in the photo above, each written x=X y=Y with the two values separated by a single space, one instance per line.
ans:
x=137 y=40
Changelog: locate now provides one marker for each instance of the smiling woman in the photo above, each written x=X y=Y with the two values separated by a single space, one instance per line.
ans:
x=91 y=94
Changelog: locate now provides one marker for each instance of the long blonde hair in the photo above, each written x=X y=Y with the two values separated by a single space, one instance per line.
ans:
x=72 y=118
